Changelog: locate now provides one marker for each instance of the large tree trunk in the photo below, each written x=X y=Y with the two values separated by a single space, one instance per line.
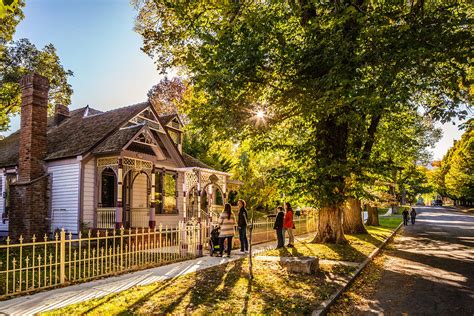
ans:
x=373 y=219
x=352 y=221
x=330 y=226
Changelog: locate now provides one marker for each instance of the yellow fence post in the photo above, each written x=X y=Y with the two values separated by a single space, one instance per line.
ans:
x=62 y=257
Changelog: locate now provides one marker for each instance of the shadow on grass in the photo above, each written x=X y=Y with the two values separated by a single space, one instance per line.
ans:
x=369 y=238
x=227 y=277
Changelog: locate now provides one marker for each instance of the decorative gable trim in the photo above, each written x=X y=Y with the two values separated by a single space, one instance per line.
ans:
x=145 y=137
x=175 y=123
x=146 y=117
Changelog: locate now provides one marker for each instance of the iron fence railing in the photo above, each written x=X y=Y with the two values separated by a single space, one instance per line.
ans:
x=65 y=259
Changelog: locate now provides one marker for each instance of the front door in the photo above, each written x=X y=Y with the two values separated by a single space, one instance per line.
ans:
x=139 y=211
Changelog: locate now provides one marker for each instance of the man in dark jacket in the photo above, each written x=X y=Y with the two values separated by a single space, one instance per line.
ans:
x=279 y=227
x=242 y=225
x=413 y=215
x=405 y=217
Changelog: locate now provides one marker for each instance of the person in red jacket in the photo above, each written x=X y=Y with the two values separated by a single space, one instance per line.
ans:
x=288 y=224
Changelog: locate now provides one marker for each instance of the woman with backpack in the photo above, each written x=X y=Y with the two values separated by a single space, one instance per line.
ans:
x=227 y=223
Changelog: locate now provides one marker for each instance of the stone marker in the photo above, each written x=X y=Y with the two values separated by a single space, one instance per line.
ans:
x=308 y=265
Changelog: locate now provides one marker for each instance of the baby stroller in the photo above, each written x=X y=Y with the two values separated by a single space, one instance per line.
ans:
x=214 y=241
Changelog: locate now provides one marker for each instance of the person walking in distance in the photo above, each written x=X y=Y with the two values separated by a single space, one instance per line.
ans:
x=288 y=224
x=413 y=215
x=226 y=222
x=405 y=217
x=242 y=226
x=278 y=227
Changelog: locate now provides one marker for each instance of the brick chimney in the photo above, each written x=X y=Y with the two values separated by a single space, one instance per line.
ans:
x=61 y=112
x=34 y=113
x=29 y=197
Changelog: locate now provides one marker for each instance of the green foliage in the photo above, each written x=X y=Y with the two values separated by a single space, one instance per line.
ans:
x=326 y=73
x=10 y=15
x=167 y=95
x=20 y=57
x=400 y=145
x=200 y=145
x=413 y=181
x=455 y=177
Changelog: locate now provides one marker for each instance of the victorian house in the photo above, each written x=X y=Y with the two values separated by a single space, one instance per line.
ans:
x=100 y=170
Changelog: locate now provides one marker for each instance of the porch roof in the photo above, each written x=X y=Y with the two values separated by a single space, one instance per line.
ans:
x=209 y=170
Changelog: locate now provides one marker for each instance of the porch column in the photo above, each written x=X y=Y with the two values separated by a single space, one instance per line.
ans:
x=199 y=195
x=119 y=208
x=185 y=208
x=224 y=188
x=199 y=247
x=152 y=222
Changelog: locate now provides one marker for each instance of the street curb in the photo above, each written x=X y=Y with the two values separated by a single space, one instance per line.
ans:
x=324 y=306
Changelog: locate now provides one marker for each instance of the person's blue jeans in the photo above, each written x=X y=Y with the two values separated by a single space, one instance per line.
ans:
x=244 y=243
x=280 y=238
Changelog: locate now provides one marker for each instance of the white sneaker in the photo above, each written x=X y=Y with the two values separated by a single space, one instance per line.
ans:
x=241 y=252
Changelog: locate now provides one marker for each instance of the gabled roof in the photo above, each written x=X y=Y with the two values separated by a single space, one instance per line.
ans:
x=89 y=130
x=75 y=136
x=79 y=134
x=118 y=140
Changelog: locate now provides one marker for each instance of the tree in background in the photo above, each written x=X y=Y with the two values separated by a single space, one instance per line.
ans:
x=325 y=73
x=455 y=177
x=201 y=145
x=20 y=57
x=167 y=95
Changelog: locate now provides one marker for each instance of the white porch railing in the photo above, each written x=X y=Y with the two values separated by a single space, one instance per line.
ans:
x=106 y=217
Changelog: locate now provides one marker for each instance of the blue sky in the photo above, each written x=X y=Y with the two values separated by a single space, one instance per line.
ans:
x=95 y=39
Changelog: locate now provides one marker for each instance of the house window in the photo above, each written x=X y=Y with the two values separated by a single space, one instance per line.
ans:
x=108 y=185
x=166 y=193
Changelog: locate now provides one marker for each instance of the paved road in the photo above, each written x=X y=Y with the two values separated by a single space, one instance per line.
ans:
x=431 y=269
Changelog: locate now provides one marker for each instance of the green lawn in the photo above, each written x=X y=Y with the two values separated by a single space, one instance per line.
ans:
x=227 y=289
x=356 y=250
x=220 y=290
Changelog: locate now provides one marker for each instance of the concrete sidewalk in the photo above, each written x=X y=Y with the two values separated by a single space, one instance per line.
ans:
x=60 y=297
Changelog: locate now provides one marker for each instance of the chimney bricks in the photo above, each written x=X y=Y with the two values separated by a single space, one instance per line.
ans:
x=29 y=197
x=34 y=112
x=61 y=112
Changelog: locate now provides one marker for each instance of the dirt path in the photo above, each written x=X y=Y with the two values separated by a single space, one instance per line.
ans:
x=430 y=270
